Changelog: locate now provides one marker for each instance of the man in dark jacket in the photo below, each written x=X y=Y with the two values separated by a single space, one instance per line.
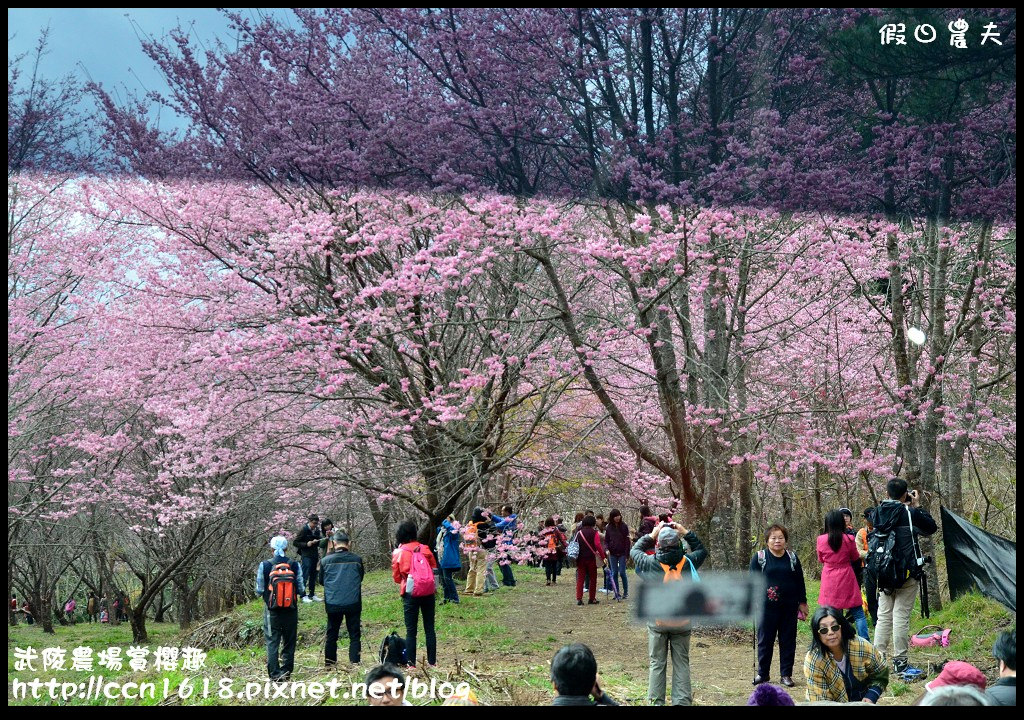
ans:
x=341 y=574
x=669 y=557
x=1004 y=690
x=279 y=625
x=574 y=677
x=307 y=542
x=895 y=604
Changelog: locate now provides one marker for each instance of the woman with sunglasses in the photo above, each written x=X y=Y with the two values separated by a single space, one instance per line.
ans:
x=840 y=666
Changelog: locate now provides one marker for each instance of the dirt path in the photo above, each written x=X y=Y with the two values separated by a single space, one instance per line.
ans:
x=719 y=667
x=546 y=618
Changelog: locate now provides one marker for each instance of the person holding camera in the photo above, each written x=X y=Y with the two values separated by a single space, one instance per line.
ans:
x=901 y=514
x=574 y=678
x=669 y=563
x=307 y=542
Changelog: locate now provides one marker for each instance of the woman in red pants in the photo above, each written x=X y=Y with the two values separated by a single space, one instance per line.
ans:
x=586 y=564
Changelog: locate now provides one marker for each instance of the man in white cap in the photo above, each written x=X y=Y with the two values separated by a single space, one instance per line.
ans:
x=279 y=581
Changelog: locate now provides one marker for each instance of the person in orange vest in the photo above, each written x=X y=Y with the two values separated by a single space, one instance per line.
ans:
x=280 y=583
x=870 y=582
x=670 y=563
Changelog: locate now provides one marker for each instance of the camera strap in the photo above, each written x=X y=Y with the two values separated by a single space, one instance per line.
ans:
x=918 y=557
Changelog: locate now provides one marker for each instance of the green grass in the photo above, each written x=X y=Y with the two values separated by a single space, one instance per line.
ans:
x=897 y=688
x=472 y=624
x=96 y=636
x=976 y=621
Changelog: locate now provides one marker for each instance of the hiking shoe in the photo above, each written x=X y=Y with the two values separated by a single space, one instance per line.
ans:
x=911 y=674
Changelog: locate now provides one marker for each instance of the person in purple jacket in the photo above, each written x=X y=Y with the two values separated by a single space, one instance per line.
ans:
x=617 y=543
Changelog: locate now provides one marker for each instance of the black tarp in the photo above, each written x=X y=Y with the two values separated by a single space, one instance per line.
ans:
x=978 y=559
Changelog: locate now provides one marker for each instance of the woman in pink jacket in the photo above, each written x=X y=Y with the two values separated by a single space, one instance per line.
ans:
x=839 y=588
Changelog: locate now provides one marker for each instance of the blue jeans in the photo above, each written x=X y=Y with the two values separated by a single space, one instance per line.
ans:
x=448 y=584
x=618 y=572
x=309 y=575
x=860 y=620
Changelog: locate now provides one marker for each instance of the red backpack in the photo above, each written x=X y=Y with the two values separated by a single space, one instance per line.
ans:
x=282 y=587
x=420 y=582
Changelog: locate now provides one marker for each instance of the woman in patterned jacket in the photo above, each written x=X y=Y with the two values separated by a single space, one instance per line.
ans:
x=841 y=666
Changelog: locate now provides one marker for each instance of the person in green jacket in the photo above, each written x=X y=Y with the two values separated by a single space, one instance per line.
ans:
x=669 y=557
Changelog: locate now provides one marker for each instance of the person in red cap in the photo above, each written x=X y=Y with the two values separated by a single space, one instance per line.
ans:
x=955 y=673
x=958 y=672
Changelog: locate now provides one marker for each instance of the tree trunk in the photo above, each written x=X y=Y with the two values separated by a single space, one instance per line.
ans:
x=744 y=530
x=787 y=504
x=137 y=617
x=381 y=558
x=161 y=609
x=183 y=600
x=42 y=601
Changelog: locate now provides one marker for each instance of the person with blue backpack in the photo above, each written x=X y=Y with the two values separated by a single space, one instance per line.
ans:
x=447 y=543
x=412 y=567
x=280 y=583
x=785 y=602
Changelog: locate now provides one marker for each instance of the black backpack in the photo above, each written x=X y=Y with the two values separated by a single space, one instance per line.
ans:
x=392 y=650
x=892 y=568
x=762 y=559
